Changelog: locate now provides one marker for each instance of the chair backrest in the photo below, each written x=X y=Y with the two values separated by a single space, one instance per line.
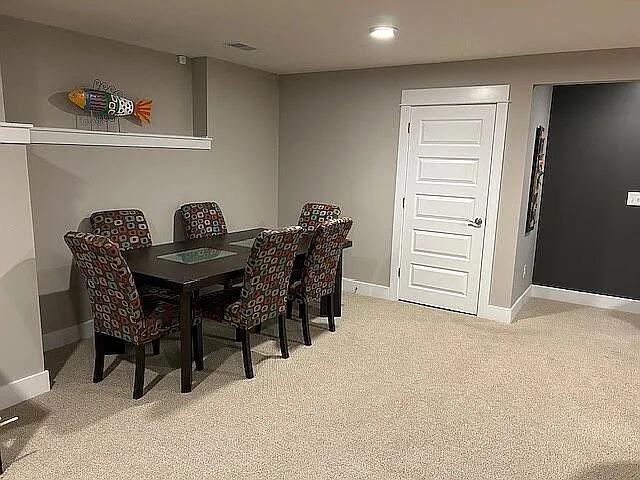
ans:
x=315 y=214
x=201 y=220
x=126 y=228
x=115 y=302
x=321 y=261
x=267 y=275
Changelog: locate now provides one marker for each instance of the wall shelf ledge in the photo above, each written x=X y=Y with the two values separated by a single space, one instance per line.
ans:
x=15 y=133
x=69 y=136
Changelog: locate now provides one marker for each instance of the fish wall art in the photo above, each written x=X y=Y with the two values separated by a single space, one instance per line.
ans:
x=107 y=104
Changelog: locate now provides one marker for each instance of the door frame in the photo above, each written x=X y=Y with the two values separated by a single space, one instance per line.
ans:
x=497 y=95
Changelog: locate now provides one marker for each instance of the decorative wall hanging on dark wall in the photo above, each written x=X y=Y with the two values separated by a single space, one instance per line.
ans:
x=104 y=103
x=537 y=172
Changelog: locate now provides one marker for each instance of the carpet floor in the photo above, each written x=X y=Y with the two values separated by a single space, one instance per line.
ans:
x=398 y=392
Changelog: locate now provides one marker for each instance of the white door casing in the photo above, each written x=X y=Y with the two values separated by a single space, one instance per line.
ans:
x=447 y=180
x=497 y=95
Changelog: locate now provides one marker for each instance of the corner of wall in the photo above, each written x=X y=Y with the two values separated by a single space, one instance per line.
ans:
x=2 y=114
x=526 y=242
x=199 y=96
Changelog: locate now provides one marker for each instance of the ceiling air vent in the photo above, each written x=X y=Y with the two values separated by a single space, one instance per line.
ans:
x=241 y=46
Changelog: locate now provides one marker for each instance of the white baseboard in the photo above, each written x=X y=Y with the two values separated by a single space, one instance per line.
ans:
x=24 y=389
x=504 y=314
x=63 y=337
x=493 y=312
x=585 y=298
x=497 y=314
x=363 y=288
x=519 y=303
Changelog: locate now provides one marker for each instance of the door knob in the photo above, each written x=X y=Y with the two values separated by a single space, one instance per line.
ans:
x=477 y=223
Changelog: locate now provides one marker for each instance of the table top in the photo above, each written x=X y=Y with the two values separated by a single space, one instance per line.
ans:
x=145 y=262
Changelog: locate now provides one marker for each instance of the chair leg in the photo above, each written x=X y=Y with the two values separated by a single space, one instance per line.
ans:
x=156 y=347
x=138 y=385
x=282 y=333
x=289 y=308
x=304 y=315
x=98 y=370
x=198 y=346
x=332 y=319
x=244 y=336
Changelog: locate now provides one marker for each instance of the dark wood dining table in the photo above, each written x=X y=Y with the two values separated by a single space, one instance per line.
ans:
x=187 y=278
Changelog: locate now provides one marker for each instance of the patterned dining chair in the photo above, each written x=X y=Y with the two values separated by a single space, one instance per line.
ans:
x=126 y=228
x=319 y=272
x=203 y=219
x=312 y=215
x=315 y=214
x=118 y=310
x=129 y=229
x=263 y=294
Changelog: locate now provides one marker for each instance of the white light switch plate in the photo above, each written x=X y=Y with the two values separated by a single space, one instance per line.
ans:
x=633 y=199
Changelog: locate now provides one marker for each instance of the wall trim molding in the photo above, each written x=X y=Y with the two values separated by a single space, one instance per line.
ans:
x=596 y=300
x=24 y=389
x=15 y=133
x=364 y=288
x=26 y=134
x=521 y=301
x=65 y=336
x=493 y=312
x=456 y=95
x=504 y=314
x=497 y=314
x=70 y=136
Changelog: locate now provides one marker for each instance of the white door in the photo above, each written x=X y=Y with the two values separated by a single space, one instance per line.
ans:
x=447 y=185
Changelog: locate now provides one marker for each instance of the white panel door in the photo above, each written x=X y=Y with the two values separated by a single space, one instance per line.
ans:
x=447 y=185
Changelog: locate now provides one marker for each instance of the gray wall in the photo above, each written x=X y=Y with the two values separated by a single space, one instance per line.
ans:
x=338 y=142
x=20 y=340
x=45 y=62
x=69 y=182
x=540 y=110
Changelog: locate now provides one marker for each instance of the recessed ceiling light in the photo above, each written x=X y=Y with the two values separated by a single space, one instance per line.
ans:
x=241 y=46
x=383 y=32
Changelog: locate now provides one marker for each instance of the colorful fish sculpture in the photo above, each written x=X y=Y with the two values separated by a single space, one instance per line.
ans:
x=108 y=104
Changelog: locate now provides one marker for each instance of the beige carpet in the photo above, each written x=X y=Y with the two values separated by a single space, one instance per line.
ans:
x=399 y=391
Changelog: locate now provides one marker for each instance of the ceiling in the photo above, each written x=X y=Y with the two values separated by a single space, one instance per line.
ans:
x=307 y=35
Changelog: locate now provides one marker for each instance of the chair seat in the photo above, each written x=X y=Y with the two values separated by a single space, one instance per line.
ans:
x=165 y=294
x=222 y=306
x=163 y=318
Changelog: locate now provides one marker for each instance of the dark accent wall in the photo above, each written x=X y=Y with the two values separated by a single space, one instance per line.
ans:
x=588 y=239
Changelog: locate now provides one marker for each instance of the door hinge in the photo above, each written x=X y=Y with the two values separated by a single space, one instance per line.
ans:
x=398 y=272
x=403 y=201
x=409 y=128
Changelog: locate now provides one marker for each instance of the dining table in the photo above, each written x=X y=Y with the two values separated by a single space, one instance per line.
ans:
x=188 y=266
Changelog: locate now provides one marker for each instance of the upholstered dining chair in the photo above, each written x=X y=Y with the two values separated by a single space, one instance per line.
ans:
x=118 y=310
x=315 y=214
x=319 y=272
x=312 y=215
x=126 y=228
x=263 y=294
x=129 y=229
x=202 y=219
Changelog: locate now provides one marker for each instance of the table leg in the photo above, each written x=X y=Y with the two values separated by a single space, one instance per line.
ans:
x=337 y=295
x=185 y=341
